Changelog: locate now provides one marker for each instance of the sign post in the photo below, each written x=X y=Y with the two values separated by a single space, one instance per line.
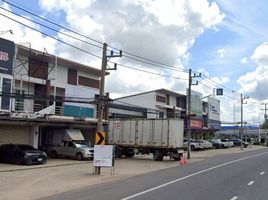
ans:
x=103 y=156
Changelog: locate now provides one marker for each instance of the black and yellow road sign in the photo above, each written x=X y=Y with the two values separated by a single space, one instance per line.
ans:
x=100 y=138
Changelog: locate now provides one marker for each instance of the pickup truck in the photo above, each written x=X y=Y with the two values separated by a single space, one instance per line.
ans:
x=222 y=143
x=194 y=144
x=73 y=149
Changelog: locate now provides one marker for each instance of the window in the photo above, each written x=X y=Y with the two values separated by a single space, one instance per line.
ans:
x=88 y=82
x=6 y=89
x=72 y=77
x=160 y=99
x=161 y=114
x=19 y=100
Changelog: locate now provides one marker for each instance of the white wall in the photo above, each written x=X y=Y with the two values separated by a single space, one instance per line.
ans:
x=146 y=100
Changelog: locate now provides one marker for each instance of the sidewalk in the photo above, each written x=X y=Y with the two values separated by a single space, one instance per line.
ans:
x=60 y=175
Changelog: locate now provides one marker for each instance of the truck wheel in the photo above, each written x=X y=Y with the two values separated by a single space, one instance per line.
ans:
x=192 y=148
x=158 y=156
x=129 y=154
x=79 y=156
x=54 y=154
x=118 y=153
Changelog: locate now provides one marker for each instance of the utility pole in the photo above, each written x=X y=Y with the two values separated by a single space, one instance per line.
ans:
x=101 y=99
x=242 y=125
x=189 y=111
x=265 y=123
x=189 y=116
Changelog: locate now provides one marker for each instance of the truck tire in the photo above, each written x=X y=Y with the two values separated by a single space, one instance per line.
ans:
x=79 y=156
x=129 y=154
x=54 y=154
x=117 y=152
x=192 y=148
x=158 y=155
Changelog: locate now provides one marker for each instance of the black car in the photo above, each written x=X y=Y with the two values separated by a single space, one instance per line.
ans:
x=237 y=142
x=21 y=154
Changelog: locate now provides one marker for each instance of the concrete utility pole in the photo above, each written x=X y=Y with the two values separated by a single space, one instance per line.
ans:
x=265 y=125
x=101 y=99
x=242 y=123
x=189 y=95
x=189 y=116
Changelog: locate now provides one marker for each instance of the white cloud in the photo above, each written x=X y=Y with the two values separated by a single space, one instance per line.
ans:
x=255 y=83
x=244 y=60
x=260 y=55
x=160 y=30
x=221 y=52
x=24 y=35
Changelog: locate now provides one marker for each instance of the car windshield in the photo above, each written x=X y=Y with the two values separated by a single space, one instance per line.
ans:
x=81 y=144
x=26 y=147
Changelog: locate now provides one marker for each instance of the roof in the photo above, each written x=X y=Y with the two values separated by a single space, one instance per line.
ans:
x=35 y=54
x=162 y=90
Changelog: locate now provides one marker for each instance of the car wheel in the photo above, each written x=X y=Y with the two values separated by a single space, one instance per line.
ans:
x=192 y=148
x=79 y=156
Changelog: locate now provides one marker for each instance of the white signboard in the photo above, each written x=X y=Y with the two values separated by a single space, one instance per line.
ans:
x=103 y=156
x=213 y=109
x=196 y=103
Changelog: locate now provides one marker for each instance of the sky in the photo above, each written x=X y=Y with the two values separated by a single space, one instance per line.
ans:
x=224 y=40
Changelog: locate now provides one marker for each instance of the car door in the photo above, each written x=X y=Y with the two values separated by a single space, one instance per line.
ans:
x=70 y=149
x=9 y=153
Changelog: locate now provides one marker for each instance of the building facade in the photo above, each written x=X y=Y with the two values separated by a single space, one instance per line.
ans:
x=41 y=92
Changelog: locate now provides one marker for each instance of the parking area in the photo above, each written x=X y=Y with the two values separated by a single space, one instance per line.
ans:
x=60 y=175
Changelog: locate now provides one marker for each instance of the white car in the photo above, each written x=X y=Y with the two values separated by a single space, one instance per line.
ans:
x=205 y=144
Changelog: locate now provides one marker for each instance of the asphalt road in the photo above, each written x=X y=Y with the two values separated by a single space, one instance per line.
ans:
x=229 y=177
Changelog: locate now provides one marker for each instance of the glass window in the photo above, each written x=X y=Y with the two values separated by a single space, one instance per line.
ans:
x=6 y=88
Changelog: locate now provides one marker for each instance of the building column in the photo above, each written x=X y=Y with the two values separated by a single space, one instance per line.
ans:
x=34 y=135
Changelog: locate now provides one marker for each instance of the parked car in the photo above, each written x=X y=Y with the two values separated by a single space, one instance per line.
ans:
x=72 y=149
x=21 y=154
x=194 y=144
x=237 y=142
x=205 y=144
x=222 y=143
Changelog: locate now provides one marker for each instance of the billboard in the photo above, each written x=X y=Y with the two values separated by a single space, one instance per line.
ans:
x=196 y=103
x=196 y=124
x=213 y=109
x=7 y=51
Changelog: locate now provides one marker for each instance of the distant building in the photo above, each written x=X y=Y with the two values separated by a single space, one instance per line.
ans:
x=163 y=103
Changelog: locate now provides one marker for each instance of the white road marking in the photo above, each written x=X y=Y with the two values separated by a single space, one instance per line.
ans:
x=191 y=175
x=251 y=182
x=262 y=173
x=234 y=198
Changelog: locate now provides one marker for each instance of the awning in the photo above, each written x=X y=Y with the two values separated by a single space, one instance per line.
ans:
x=75 y=134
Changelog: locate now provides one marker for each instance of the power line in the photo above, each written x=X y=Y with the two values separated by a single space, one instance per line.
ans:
x=215 y=83
x=132 y=55
x=85 y=51
x=140 y=58
x=51 y=28
x=50 y=21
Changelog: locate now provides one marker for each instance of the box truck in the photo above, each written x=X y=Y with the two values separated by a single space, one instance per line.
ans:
x=161 y=137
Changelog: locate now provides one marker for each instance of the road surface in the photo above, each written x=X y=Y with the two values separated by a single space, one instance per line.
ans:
x=227 y=177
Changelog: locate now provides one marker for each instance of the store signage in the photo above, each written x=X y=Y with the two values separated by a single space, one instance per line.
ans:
x=7 y=51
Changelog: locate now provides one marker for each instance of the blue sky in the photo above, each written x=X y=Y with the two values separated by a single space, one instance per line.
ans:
x=226 y=39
